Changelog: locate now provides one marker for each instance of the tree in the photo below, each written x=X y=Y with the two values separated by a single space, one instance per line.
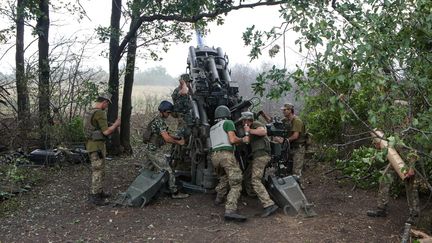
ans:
x=42 y=29
x=159 y=14
x=113 y=145
x=369 y=65
x=21 y=80
x=128 y=84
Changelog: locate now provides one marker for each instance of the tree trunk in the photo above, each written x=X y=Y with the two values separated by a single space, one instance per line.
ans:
x=42 y=27
x=113 y=146
x=128 y=85
x=21 y=80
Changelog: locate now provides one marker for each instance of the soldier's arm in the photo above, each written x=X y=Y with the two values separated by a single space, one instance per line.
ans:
x=184 y=90
x=169 y=139
x=259 y=131
x=233 y=139
x=112 y=128
x=294 y=136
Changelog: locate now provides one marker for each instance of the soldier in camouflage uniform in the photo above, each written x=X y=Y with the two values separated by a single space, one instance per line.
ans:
x=223 y=138
x=182 y=111
x=96 y=129
x=296 y=137
x=158 y=136
x=260 y=148
x=182 y=106
x=411 y=188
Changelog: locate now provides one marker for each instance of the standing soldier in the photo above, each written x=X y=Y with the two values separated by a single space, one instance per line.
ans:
x=182 y=111
x=156 y=136
x=260 y=148
x=182 y=106
x=223 y=138
x=96 y=131
x=411 y=188
x=296 y=138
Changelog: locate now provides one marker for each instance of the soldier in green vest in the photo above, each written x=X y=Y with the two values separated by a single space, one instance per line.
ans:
x=156 y=137
x=96 y=130
x=296 y=137
x=223 y=138
x=260 y=148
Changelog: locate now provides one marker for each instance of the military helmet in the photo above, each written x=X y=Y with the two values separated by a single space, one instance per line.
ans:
x=105 y=96
x=165 y=106
x=287 y=106
x=185 y=77
x=222 y=111
x=247 y=115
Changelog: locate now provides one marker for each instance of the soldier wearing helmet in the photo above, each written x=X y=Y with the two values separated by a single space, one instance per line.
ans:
x=260 y=148
x=96 y=130
x=156 y=136
x=223 y=138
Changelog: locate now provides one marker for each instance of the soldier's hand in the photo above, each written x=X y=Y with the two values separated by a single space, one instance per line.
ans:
x=117 y=122
x=260 y=113
x=278 y=139
x=181 y=141
x=246 y=128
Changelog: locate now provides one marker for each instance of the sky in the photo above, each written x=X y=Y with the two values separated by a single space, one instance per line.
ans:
x=227 y=36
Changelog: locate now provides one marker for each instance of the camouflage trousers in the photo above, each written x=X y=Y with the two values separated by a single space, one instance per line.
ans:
x=411 y=188
x=230 y=178
x=156 y=162
x=98 y=171
x=258 y=166
x=183 y=130
x=298 y=154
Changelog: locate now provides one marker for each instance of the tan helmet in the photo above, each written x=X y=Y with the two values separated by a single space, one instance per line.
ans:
x=105 y=96
x=287 y=106
x=247 y=115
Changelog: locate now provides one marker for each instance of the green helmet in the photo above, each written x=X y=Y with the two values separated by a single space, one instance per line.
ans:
x=222 y=111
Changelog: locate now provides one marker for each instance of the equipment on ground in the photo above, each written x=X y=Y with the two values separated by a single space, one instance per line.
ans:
x=143 y=189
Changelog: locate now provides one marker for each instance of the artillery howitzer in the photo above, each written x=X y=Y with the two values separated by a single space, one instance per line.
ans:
x=211 y=86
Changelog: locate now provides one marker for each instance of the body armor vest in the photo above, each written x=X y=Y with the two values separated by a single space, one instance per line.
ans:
x=91 y=131
x=218 y=136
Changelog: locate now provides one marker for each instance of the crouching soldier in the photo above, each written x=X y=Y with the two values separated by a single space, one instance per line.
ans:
x=156 y=136
x=96 y=130
x=260 y=148
x=223 y=138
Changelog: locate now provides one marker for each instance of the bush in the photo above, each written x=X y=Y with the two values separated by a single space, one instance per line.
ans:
x=364 y=166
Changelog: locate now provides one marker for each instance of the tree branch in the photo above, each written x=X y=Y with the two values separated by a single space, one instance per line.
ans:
x=181 y=18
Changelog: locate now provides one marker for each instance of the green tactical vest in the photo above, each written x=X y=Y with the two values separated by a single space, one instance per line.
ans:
x=260 y=145
x=91 y=131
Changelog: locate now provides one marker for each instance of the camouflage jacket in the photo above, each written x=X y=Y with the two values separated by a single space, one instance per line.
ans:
x=157 y=126
x=181 y=102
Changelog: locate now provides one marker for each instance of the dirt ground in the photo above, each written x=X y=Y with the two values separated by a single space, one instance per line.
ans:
x=57 y=211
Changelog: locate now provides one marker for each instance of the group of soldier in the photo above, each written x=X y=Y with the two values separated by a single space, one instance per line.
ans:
x=224 y=138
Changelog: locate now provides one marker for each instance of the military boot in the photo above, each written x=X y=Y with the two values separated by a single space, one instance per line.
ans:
x=97 y=200
x=179 y=195
x=379 y=212
x=105 y=194
x=219 y=201
x=269 y=210
x=234 y=216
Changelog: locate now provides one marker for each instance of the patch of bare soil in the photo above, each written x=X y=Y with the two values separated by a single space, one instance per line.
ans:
x=57 y=211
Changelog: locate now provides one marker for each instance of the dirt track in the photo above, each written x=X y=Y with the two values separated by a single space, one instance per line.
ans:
x=57 y=211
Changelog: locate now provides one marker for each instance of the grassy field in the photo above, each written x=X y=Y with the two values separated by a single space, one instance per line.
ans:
x=146 y=97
